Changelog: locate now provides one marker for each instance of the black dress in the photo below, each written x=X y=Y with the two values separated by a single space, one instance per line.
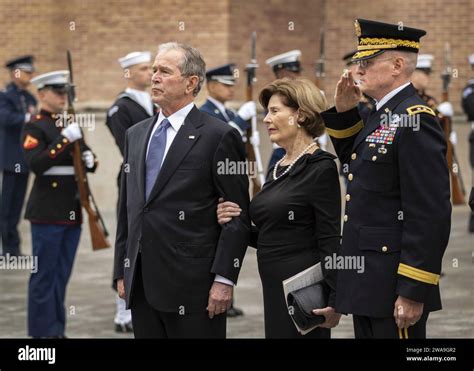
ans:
x=297 y=219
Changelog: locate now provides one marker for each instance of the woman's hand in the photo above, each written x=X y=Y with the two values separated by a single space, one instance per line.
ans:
x=227 y=210
x=332 y=318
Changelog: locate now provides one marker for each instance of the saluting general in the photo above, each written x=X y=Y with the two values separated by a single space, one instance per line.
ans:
x=398 y=210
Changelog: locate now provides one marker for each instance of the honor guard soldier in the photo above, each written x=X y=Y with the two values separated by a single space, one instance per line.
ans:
x=16 y=107
x=468 y=108
x=398 y=210
x=220 y=87
x=53 y=207
x=283 y=65
x=421 y=79
x=133 y=105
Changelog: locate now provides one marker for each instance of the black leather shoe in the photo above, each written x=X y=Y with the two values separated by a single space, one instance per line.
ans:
x=125 y=327
x=235 y=312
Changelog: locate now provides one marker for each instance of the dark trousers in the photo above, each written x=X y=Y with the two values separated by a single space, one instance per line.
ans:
x=386 y=328
x=55 y=246
x=151 y=323
x=13 y=195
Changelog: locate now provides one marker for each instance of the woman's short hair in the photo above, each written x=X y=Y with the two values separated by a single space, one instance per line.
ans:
x=302 y=95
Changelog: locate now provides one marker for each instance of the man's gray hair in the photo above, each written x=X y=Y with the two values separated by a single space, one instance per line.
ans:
x=409 y=57
x=191 y=64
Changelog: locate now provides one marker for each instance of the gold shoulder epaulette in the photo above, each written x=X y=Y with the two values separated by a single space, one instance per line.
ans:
x=420 y=108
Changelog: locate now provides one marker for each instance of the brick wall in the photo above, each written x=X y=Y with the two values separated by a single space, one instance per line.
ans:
x=99 y=32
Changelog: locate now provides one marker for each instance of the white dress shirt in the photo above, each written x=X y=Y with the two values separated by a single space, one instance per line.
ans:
x=390 y=95
x=176 y=120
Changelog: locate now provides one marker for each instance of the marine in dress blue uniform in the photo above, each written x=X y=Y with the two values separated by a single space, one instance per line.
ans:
x=398 y=211
x=16 y=107
x=53 y=207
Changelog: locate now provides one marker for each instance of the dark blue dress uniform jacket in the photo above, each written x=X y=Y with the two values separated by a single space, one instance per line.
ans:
x=398 y=210
x=14 y=104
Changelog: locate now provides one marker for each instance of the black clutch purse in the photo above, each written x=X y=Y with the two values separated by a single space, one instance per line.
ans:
x=301 y=303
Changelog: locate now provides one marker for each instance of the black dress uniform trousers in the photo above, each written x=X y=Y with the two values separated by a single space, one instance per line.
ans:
x=386 y=328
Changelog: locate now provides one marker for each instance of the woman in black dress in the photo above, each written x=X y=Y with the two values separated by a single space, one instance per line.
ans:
x=297 y=212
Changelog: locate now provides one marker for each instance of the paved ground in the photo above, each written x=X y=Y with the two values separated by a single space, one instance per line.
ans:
x=91 y=302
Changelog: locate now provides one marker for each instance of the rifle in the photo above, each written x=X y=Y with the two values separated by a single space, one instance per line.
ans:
x=320 y=62
x=97 y=227
x=457 y=188
x=253 y=151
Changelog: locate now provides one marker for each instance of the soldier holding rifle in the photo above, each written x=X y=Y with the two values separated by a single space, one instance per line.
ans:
x=53 y=208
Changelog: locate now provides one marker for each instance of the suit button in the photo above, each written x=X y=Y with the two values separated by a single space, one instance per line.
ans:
x=354 y=156
x=348 y=197
x=53 y=151
x=145 y=209
x=59 y=146
x=384 y=248
x=374 y=158
x=372 y=145
x=64 y=140
x=346 y=218
x=54 y=184
x=350 y=177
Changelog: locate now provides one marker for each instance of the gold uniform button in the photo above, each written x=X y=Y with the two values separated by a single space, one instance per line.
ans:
x=53 y=151
x=374 y=158
x=346 y=218
x=354 y=156
x=59 y=146
x=372 y=145
x=348 y=198
x=384 y=248
x=54 y=184
x=64 y=140
x=350 y=177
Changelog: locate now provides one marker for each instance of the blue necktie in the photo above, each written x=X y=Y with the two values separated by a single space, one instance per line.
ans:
x=155 y=156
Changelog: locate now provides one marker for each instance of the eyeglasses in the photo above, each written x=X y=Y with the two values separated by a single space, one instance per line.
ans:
x=366 y=63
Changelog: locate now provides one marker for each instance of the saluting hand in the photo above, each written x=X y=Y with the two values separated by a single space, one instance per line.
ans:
x=227 y=210
x=348 y=94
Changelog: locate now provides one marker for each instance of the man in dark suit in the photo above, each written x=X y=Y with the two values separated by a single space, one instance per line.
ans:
x=174 y=264
x=16 y=107
x=398 y=211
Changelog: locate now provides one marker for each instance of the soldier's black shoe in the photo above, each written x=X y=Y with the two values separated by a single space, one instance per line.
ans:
x=234 y=312
x=124 y=327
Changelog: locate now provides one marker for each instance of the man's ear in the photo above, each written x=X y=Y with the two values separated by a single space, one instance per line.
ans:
x=192 y=83
x=398 y=65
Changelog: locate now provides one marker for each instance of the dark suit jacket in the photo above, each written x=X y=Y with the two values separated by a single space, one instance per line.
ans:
x=398 y=210
x=182 y=246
